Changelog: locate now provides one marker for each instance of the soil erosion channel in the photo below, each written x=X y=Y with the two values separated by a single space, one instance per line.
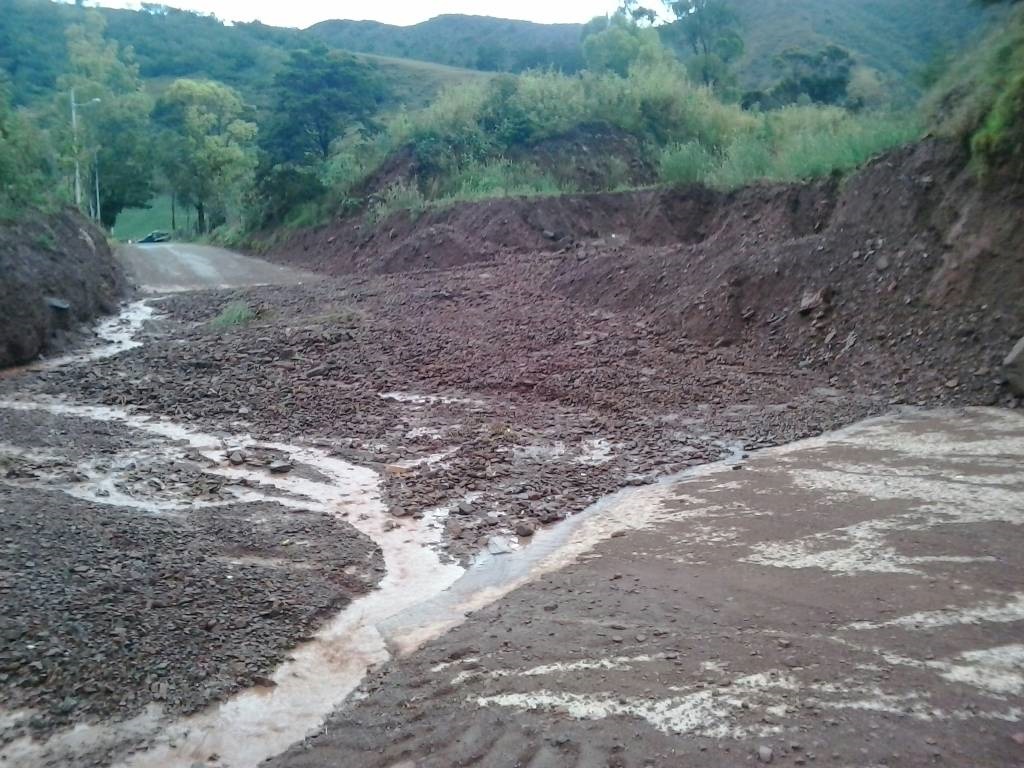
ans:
x=215 y=533
x=422 y=593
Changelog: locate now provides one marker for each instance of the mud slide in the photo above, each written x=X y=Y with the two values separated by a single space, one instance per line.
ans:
x=421 y=595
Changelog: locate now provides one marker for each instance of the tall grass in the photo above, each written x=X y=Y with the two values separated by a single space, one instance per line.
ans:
x=791 y=144
x=236 y=313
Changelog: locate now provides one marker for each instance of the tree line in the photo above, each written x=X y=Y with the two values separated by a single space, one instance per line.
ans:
x=104 y=140
x=104 y=136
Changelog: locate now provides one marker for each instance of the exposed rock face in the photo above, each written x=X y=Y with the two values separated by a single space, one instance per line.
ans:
x=57 y=272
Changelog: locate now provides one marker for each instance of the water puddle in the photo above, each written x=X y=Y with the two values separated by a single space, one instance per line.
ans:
x=115 y=334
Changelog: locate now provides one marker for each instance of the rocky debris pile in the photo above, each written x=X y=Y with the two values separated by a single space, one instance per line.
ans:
x=275 y=461
x=538 y=405
x=118 y=609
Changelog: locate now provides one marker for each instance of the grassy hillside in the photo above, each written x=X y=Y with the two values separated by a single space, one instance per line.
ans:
x=476 y=42
x=416 y=83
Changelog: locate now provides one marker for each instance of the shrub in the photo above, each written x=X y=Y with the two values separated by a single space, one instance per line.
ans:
x=502 y=178
x=1000 y=141
x=687 y=163
x=979 y=99
x=400 y=196
x=234 y=314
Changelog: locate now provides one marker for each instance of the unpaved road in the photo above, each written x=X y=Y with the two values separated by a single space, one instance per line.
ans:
x=166 y=267
x=849 y=600
x=187 y=603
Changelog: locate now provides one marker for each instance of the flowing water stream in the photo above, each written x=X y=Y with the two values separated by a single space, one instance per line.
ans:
x=421 y=595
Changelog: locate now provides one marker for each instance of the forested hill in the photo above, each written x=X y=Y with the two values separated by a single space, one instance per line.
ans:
x=477 y=42
x=898 y=38
x=895 y=37
x=170 y=43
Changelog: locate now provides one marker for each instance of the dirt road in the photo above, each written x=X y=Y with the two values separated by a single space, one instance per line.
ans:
x=209 y=535
x=168 y=267
x=848 y=600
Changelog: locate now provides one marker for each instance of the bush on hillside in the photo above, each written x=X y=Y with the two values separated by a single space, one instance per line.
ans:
x=980 y=99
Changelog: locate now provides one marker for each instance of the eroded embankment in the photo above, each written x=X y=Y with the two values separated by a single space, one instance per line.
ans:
x=908 y=271
x=57 y=272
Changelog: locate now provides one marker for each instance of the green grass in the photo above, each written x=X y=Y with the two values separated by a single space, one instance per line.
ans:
x=415 y=84
x=235 y=314
x=136 y=223
x=791 y=144
x=980 y=99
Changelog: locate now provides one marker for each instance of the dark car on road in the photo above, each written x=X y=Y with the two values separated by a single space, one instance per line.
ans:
x=156 y=237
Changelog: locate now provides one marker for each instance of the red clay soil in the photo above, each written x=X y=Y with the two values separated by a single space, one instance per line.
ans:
x=912 y=265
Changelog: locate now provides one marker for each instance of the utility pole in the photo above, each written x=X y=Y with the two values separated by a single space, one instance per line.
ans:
x=74 y=140
x=96 y=175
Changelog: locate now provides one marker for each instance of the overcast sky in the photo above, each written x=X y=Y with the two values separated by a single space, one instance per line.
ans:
x=302 y=13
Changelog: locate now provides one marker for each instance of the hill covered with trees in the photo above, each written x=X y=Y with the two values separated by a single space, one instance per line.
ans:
x=475 y=42
x=167 y=43
x=898 y=39
x=251 y=127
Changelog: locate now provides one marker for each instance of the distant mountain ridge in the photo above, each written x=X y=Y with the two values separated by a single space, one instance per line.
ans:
x=475 y=42
x=896 y=37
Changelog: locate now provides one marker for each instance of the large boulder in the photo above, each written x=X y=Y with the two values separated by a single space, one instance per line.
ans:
x=1013 y=368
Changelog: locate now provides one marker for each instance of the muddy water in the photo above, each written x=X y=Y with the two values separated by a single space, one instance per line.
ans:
x=420 y=596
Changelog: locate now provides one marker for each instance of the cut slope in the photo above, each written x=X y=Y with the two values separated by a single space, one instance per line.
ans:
x=910 y=269
x=57 y=272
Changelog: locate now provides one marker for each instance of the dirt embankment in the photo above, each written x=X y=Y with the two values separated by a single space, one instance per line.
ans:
x=912 y=264
x=58 y=272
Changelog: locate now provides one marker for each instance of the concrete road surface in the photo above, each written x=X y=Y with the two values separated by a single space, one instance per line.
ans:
x=852 y=600
x=172 y=267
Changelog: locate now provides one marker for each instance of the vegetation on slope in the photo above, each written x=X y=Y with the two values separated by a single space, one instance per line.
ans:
x=462 y=146
x=270 y=128
x=980 y=99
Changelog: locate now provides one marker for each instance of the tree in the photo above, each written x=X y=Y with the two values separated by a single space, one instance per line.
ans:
x=614 y=43
x=113 y=136
x=612 y=50
x=822 y=77
x=24 y=172
x=207 y=148
x=316 y=96
x=710 y=30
